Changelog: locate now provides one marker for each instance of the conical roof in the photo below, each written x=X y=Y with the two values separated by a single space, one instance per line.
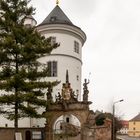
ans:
x=57 y=16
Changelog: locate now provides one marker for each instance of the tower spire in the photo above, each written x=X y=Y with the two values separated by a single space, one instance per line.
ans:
x=67 y=77
x=57 y=2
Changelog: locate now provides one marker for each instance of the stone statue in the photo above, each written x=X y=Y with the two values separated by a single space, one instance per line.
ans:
x=58 y=97
x=74 y=97
x=86 y=91
x=66 y=91
x=49 y=94
x=85 y=84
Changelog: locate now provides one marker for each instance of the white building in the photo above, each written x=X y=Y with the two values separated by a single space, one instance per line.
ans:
x=68 y=56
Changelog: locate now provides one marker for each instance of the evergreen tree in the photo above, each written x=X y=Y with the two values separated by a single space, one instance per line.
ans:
x=22 y=76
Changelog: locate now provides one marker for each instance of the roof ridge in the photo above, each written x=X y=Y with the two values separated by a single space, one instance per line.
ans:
x=136 y=118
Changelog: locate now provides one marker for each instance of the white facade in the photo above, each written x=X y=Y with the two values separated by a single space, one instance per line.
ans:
x=65 y=55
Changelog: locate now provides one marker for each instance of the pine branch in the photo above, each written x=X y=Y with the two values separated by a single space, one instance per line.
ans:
x=22 y=77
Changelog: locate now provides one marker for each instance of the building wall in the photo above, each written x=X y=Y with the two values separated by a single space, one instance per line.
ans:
x=101 y=133
x=124 y=129
x=98 y=133
x=8 y=133
x=65 y=56
x=74 y=69
x=66 y=44
x=134 y=129
x=26 y=122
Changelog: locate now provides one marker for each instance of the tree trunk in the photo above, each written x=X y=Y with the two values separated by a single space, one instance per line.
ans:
x=16 y=98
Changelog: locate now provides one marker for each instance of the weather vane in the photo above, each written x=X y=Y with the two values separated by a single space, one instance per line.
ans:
x=57 y=2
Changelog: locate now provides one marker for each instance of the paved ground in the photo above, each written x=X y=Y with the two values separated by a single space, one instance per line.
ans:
x=128 y=138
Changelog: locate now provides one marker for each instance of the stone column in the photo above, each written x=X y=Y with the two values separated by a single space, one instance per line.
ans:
x=48 y=132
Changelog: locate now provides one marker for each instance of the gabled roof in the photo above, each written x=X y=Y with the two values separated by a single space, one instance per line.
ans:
x=57 y=16
x=136 y=118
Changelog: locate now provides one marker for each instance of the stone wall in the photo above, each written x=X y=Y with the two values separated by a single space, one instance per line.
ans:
x=94 y=133
x=97 y=132
x=103 y=133
x=8 y=133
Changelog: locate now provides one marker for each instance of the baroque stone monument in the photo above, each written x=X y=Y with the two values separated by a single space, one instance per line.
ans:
x=67 y=103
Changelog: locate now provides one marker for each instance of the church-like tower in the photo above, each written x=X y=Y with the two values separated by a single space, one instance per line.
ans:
x=68 y=56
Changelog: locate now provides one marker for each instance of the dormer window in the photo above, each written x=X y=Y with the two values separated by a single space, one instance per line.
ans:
x=52 y=19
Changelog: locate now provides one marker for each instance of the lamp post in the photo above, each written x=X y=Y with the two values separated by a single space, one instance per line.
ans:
x=113 y=120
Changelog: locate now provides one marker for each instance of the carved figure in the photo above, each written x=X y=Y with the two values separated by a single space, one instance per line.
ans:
x=66 y=91
x=85 y=89
x=58 y=97
x=85 y=84
x=49 y=94
x=74 y=96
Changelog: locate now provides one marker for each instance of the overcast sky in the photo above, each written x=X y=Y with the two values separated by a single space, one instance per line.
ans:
x=112 y=50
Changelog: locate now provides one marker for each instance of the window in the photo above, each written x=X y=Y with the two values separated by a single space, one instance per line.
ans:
x=61 y=126
x=77 y=77
x=53 y=40
x=67 y=120
x=52 y=19
x=36 y=135
x=76 y=47
x=77 y=92
x=52 y=69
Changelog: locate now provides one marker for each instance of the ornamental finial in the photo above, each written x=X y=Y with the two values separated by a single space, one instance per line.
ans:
x=57 y=2
x=67 y=77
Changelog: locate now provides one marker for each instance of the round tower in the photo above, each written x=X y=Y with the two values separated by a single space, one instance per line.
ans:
x=68 y=56
x=30 y=21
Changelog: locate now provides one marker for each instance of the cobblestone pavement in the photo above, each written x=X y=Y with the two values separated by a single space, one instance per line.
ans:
x=125 y=137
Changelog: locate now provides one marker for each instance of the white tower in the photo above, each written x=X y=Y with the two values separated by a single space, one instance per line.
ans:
x=68 y=56
x=30 y=21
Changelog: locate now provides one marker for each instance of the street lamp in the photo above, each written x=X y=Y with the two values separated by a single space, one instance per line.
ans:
x=113 y=121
